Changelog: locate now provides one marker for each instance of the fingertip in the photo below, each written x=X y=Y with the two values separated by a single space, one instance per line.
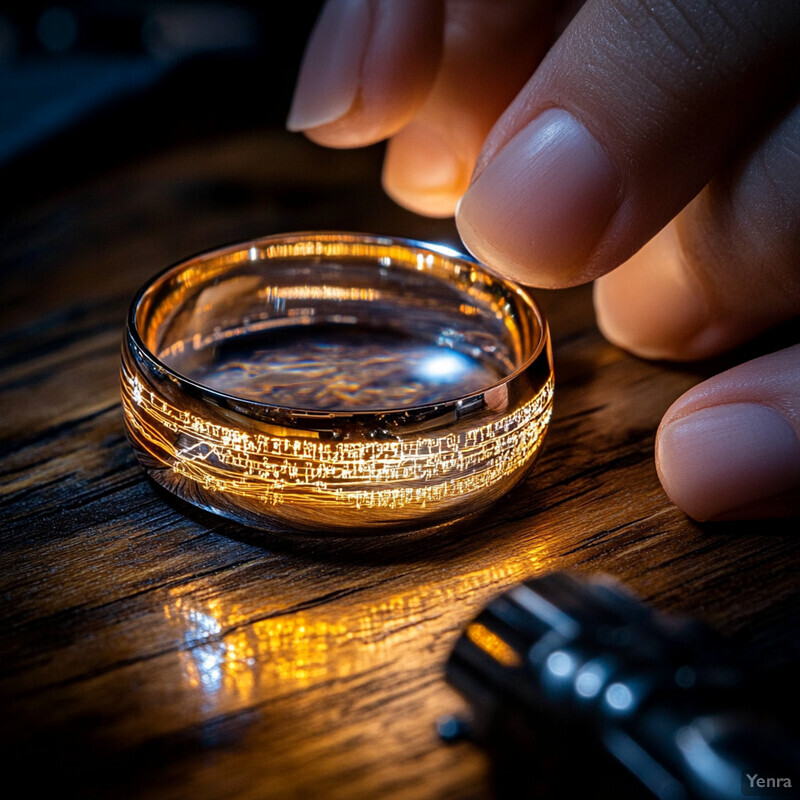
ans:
x=423 y=172
x=329 y=78
x=359 y=127
x=367 y=68
x=536 y=212
x=653 y=306
x=730 y=461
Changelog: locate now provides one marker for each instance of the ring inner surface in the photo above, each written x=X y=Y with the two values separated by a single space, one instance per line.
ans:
x=338 y=327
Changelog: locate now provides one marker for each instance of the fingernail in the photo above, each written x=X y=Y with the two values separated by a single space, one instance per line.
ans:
x=423 y=173
x=538 y=209
x=330 y=75
x=652 y=305
x=719 y=461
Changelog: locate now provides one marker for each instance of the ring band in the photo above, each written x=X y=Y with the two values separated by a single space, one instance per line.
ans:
x=336 y=383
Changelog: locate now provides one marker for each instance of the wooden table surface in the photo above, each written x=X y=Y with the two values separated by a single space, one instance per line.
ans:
x=151 y=652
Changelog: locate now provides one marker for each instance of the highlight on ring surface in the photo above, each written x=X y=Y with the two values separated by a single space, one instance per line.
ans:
x=336 y=383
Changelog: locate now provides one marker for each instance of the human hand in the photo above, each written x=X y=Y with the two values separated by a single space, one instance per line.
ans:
x=654 y=147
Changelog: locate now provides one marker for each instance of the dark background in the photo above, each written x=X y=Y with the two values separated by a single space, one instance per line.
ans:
x=88 y=85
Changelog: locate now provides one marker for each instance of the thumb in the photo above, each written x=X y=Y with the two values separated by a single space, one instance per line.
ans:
x=729 y=448
x=633 y=110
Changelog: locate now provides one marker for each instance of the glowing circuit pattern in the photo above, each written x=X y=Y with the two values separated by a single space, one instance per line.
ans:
x=298 y=465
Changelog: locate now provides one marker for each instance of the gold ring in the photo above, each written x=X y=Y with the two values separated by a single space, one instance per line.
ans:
x=336 y=383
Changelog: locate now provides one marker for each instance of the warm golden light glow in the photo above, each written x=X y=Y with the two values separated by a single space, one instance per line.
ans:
x=234 y=652
x=488 y=641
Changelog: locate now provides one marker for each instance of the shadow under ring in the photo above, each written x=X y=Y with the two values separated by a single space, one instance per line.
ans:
x=336 y=383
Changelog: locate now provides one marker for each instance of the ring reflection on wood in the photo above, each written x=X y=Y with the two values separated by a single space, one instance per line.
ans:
x=330 y=382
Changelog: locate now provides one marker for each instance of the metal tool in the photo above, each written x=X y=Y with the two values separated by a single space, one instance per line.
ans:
x=574 y=684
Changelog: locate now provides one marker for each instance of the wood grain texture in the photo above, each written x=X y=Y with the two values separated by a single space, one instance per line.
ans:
x=149 y=650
